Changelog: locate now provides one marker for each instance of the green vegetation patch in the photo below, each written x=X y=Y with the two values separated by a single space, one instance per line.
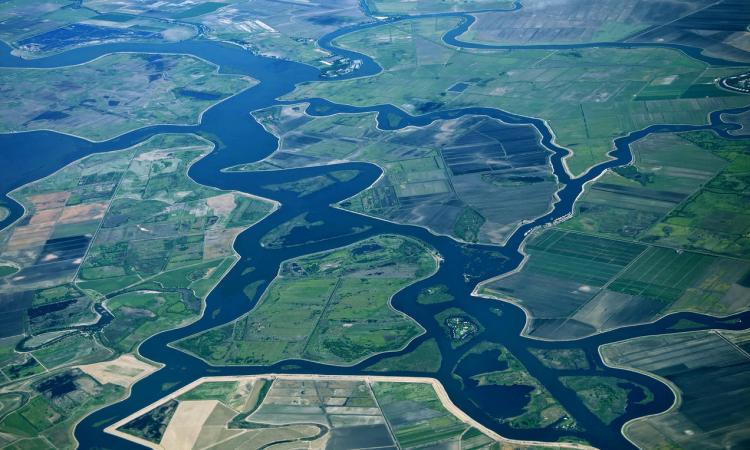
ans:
x=218 y=390
x=474 y=192
x=7 y=270
x=562 y=359
x=715 y=217
x=425 y=358
x=434 y=295
x=607 y=397
x=542 y=410
x=416 y=415
x=151 y=426
x=589 y=96
x=331 y=307
x=154 y=84
x=458 y=325
x=56 y=402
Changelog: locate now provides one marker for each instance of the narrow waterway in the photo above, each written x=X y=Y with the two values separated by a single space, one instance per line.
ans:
x=240 y=139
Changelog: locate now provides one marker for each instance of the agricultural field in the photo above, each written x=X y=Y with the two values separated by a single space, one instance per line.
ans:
x=402 y=7
x=42 y=414
x=490 y=368
x=588 y=96
x=719 y=28
x=685 y=190
x=667 y=233
x=332 y=307
x=576 y=21
x=715 y=217
x=627 y=201
x=574 y=285
x=127 y=229
x=287 y=30
x=38 y=29
x=307 y=411
x=710 y=375
x=113 y=94
x=472 y=178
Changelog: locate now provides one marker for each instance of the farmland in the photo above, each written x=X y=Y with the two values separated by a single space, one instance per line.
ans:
x=711 y=376
x=684 y=190
x=127 y=229
x=400 y=7
x=473 y=178
x=307 y=411
x=576 y=284
x=44 y=415
x=41 y=29
x=665 y=234
x=113 y=94
x=332 y=307
x=588 y=96
x=576 y=21
x=287 y=30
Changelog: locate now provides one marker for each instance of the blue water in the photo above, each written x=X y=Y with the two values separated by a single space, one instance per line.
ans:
x=239 y=139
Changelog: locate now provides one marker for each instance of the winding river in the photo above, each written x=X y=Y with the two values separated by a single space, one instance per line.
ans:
x=239 y=139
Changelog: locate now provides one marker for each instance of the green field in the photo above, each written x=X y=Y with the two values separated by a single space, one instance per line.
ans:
x=332 y=307
x=476 y=193
x=677 y=219
x=588 y=96
x=401 y=7
x=715 y=217
x=576 y=284
x=425 y=358
x=51 y=411
x=253 y=412
x=114 y=94
x=684 y=190
x=142 y=234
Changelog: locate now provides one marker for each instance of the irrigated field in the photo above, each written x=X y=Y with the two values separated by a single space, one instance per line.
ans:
x=473 y=178
x=588 y=96
x=711 y=374
x=308 y=412
x=127 y=229
x=286 y=30
x=575 y=284
x=113 y=94
x=576 y=21
x=401 y=7
x=647 y=239
x=332 y=307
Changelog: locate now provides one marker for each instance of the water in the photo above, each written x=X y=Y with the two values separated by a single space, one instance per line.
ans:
x=240 y=139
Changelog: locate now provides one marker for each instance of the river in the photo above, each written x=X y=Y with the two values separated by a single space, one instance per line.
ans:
x=240 y=139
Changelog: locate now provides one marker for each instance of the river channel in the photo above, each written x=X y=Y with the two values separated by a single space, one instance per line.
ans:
x=240 y=139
